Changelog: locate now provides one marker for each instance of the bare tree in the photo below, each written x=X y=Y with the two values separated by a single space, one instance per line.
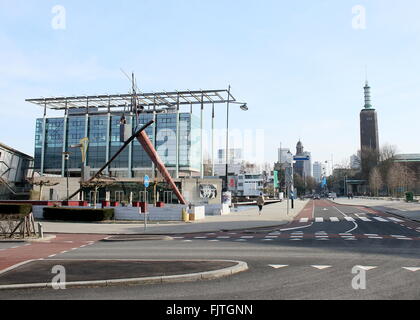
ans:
x=375 y=181
x=97 y=184
x=41 y=184
x=400 y=178
x=388 y=152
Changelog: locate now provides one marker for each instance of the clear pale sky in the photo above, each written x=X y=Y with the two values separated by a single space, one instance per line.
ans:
x=300 y=65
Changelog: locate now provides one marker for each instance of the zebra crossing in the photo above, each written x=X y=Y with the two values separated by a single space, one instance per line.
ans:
x=351 y=219
x=298 y=236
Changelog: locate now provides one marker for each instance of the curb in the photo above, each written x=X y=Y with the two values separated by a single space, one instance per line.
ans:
x=207 y=275
x=46 y=238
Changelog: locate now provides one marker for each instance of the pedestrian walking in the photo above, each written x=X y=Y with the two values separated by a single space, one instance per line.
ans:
x=260 y=203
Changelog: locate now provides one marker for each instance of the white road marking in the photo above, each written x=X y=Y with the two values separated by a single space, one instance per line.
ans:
x=375 y=237
x=223 y=237
x=397 y=236
x=411 y=269
x=200 y=237
x=350 y=219
x=295 y=239
x=304 y=220
x=319 y=219
x=278 y=266
x=186 y=240
x=178 y=238
x=345 y=215
x=51 y=256
x=267 y=239
x=365 y=219
x=272 y=237
x=366 y=268
x=371 y=234
x=334 y=219
x=321 y=267
x=380 y=219
x=240 y=240
x=247 y=237
x=214 y=241
x=395 y=219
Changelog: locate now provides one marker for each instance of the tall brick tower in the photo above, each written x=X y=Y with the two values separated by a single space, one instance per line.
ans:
x=368 y=135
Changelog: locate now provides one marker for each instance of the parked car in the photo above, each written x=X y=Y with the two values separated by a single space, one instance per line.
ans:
x=317 y=197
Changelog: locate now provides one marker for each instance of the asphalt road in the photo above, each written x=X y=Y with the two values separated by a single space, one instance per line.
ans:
x=313 y=258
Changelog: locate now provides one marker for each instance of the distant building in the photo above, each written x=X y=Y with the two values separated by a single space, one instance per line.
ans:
x=235 y=162
x=303 y=167
x=285 y=156
x=355 y=162
x=15 y=167
x=318 y=171
x=412 y=161
x=368 y=135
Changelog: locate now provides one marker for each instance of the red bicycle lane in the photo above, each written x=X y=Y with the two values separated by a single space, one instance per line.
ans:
x=42 y=250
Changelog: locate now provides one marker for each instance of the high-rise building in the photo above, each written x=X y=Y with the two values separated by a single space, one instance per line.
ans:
x=285 y=156
x=303 y=167
x=368 y=135
x=318 y=171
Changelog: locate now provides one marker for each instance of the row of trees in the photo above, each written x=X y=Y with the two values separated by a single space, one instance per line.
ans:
x=389 y=177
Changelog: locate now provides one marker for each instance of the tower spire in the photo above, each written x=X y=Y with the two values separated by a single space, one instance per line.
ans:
x=368 y=104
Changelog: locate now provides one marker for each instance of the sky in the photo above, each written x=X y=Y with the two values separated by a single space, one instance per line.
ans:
x=300 y=65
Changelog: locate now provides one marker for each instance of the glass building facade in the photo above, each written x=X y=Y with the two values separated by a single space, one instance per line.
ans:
x=54 y=136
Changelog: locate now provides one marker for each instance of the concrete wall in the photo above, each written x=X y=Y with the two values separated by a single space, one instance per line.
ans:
x=191 y=191
x=60 y=190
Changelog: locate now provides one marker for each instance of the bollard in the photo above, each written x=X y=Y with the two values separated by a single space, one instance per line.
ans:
x=185 y=216
x=40 y=230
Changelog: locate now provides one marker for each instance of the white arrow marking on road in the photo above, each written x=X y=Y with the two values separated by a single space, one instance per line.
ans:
x=278 y=266
x=325 y=209
x=321 y=267
x=366 y=268
x=411 y=269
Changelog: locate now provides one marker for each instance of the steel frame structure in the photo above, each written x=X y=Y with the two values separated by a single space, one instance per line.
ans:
x=149 y=102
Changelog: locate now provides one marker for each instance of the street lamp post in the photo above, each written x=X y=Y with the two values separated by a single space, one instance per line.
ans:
x=67 y=158
x=243 y=107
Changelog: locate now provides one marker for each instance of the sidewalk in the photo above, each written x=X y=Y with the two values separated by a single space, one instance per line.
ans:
x=273 y=215
x=400 y=208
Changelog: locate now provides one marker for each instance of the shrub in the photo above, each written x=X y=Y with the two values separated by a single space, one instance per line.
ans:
x=15 y=209
x=76 y=214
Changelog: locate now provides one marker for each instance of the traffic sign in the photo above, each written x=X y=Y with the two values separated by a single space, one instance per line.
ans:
x=146 y=181
x=301 y=158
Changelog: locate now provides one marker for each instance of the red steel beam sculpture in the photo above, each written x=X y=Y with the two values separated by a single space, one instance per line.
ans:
x=151 y=151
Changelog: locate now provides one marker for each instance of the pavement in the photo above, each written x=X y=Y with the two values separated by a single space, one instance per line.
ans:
x=273 y=215
x=28 y=265
x=329 y=251
x=402 y=209
x=40 y=273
